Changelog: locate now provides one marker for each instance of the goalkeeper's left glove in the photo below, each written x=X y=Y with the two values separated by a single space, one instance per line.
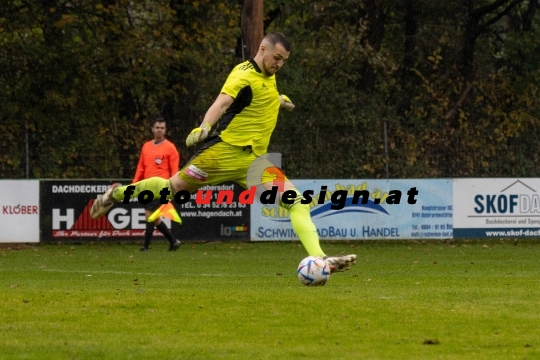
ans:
x=286 y=103
x=198 y=134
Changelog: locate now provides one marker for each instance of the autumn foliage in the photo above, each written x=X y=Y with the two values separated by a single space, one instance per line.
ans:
x=455 y=87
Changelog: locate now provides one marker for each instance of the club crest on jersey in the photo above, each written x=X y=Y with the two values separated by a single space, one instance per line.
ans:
x=158 y=161
x=196 y=173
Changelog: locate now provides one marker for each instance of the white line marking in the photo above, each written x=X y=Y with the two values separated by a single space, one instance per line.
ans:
x=144 y=273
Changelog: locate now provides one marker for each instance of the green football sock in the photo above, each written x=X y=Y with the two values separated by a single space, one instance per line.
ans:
x=303 y=226
x=154 y=184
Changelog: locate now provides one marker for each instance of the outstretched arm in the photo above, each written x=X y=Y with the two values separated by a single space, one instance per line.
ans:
x=220 y=105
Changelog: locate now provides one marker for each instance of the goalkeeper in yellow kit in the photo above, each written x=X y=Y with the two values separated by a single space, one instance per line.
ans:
x=247 y=109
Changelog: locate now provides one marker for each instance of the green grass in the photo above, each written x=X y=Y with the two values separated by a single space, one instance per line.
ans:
x=403 y=300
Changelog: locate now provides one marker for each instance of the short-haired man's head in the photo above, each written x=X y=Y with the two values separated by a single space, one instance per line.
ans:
x=275 y=38
x=157 y=120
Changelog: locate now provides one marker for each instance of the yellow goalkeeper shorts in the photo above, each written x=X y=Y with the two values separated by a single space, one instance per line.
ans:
x=219 y=163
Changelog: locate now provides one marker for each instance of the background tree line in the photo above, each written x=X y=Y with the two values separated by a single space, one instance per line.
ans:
x=453 y=87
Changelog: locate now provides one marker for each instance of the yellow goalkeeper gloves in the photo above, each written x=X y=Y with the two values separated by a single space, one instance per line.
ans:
x=198 y=134
x=286 y=103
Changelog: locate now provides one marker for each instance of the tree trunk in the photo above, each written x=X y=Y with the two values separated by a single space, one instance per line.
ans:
x=252 y=27
x=372 y=17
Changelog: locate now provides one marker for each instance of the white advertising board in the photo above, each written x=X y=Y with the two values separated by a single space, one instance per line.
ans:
x=19 y=215
x=496 y=208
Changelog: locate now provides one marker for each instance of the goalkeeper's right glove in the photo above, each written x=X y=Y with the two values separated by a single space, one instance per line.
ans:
x=198 y=134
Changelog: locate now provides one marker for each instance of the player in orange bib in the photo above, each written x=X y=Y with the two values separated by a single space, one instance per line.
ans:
x=159 y=158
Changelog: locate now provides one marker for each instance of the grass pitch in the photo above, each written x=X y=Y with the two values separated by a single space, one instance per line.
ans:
x=403 y=300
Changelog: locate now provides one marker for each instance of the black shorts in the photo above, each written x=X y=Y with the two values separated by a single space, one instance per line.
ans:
x=152 y=205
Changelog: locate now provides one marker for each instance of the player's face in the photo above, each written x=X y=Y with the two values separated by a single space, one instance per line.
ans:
x=274 y=59
x=159 y=130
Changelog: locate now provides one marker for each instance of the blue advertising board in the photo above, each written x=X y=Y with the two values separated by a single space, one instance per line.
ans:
x=381 y=209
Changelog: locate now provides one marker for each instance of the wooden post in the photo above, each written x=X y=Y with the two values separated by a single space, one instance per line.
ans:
x=252 y=27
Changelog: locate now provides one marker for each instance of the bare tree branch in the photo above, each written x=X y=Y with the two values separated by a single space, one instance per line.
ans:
x=497 y=17
x=529 y=14
x=486 y=9
x=458 y=104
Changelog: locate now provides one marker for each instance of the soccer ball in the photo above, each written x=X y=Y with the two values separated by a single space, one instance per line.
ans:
x=313 y=271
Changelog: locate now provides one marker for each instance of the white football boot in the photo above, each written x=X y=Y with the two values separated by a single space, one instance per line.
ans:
x=340 y=263
x=103 y=203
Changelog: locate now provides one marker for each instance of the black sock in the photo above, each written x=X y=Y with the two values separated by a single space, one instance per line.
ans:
x=163 y=228
x=148 y=234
